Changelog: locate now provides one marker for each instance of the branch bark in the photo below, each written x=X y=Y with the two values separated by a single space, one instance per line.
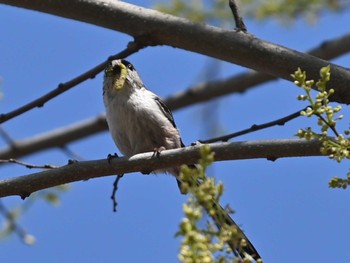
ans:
x=327 y=50
x=161 y=29
x=271 y=149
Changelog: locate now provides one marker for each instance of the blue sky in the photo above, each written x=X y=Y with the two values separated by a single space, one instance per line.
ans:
x=285 y=207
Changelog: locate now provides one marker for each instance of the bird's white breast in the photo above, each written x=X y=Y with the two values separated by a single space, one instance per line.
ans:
x=136 y=122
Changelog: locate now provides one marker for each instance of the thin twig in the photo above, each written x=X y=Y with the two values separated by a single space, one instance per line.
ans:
x=29 y=165
x=237 y=16
x=132 y=47
x=23 y=235
x=6 y=136
x=255 y=127
x=328 y=124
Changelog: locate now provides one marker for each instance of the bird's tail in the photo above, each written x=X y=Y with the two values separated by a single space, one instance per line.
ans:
x=239 y=248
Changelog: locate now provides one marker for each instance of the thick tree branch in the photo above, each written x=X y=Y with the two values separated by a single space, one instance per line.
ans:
x=270 y=149
x=236 y=47
x=327 y=50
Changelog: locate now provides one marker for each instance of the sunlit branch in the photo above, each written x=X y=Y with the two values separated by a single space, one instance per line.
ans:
x=76 y=171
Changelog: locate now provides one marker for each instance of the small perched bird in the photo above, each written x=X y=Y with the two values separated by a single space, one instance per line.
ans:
x=139 y=121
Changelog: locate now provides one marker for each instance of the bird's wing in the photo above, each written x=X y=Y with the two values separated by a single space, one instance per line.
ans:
x=163 y=107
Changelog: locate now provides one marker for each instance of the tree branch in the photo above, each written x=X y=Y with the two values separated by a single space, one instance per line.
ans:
x=270 y=149
x=255 y=127
x=56 y=138
x=237 y=16
x=29 y=165
x=235 y=47
x=327 y=50
x=63 y=87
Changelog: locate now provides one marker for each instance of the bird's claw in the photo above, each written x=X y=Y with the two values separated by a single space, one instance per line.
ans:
x=196 y=143
x=111 y=156
x=158 y=150
x=70 y=161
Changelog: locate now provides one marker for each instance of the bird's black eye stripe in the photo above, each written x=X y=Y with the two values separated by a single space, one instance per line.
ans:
x=128 y=64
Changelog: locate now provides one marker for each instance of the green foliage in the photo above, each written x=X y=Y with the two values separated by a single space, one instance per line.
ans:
x=337 y=182
x=218 y=12
x=337 y=147
x=207 y=244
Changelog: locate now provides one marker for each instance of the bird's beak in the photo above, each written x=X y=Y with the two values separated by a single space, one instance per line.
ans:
x=119 y=82
x=112 y=70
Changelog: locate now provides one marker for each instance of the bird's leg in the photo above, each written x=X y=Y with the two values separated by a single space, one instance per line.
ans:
x=70 y=161
x=111 y=156
x=156 y=153
x=158 y=150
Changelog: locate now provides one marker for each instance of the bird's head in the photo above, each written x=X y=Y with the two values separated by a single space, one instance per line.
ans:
x=120 y=72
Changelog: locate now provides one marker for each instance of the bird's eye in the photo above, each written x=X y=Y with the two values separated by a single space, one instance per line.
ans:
x=128 y=65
